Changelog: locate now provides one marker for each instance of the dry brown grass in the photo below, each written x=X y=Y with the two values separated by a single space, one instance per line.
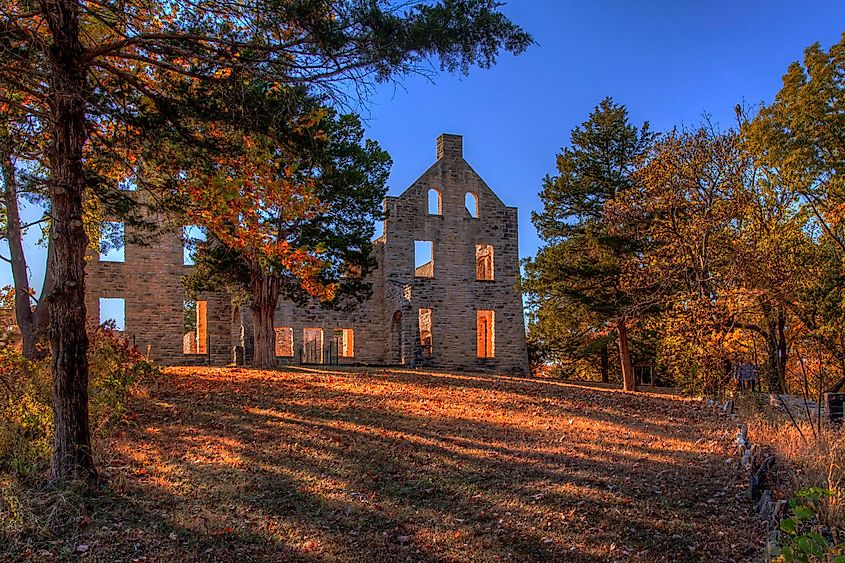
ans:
x=354 y=465
x=806 y=458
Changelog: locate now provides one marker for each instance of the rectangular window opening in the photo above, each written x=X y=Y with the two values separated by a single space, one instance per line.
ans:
x=312 y=345
x=113 y=310
x=195 y=337
x=423 y=259
x=426 y=337
x=486 y=326
x=484 y=262
x=345 y=342
x=112 y=247
x=284 y=341
x=191 y=237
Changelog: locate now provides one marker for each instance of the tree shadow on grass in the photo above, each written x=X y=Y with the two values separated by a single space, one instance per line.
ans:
x=349 y=466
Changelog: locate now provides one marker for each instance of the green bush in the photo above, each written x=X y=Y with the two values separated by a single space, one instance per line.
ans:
x=802 y=539
x=26 y=415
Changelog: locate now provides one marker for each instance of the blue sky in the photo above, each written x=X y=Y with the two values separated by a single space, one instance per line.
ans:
x=668 y=62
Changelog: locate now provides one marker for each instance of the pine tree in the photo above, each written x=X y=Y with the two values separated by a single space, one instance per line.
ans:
x=578 y=271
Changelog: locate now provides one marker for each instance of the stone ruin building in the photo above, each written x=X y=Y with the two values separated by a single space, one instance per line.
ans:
x=457 y=307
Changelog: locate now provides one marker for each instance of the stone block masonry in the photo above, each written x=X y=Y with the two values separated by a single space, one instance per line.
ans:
x=461 y=310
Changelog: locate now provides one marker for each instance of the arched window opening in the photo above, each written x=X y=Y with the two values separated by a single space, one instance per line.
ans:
x=471 y=201
x=435 y=205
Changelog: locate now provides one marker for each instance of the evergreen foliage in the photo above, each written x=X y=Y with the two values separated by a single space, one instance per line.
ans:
x=97 y=77
x=577 y=274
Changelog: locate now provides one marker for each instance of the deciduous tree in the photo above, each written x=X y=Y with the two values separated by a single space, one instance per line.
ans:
x=301 y=230
x=22 y=179
x=798 y=145
x=92 y=66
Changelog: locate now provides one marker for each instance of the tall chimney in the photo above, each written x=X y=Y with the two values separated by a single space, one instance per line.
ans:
x=450 y=146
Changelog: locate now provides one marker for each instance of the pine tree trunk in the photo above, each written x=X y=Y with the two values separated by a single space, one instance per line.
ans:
x=67 y=92
x=605 y=363
x=265 y=297
x=23 y=304
x=628 y=381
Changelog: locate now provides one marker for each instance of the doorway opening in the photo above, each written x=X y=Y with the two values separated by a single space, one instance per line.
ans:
x=312 y=346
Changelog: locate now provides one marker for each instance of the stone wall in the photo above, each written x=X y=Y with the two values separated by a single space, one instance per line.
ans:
x=453 y=292
x=386 y=327
x=149 y=282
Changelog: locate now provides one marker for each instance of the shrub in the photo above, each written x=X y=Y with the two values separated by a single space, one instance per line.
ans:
x=803 y=539
x=26 y=416
x=115 y=367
